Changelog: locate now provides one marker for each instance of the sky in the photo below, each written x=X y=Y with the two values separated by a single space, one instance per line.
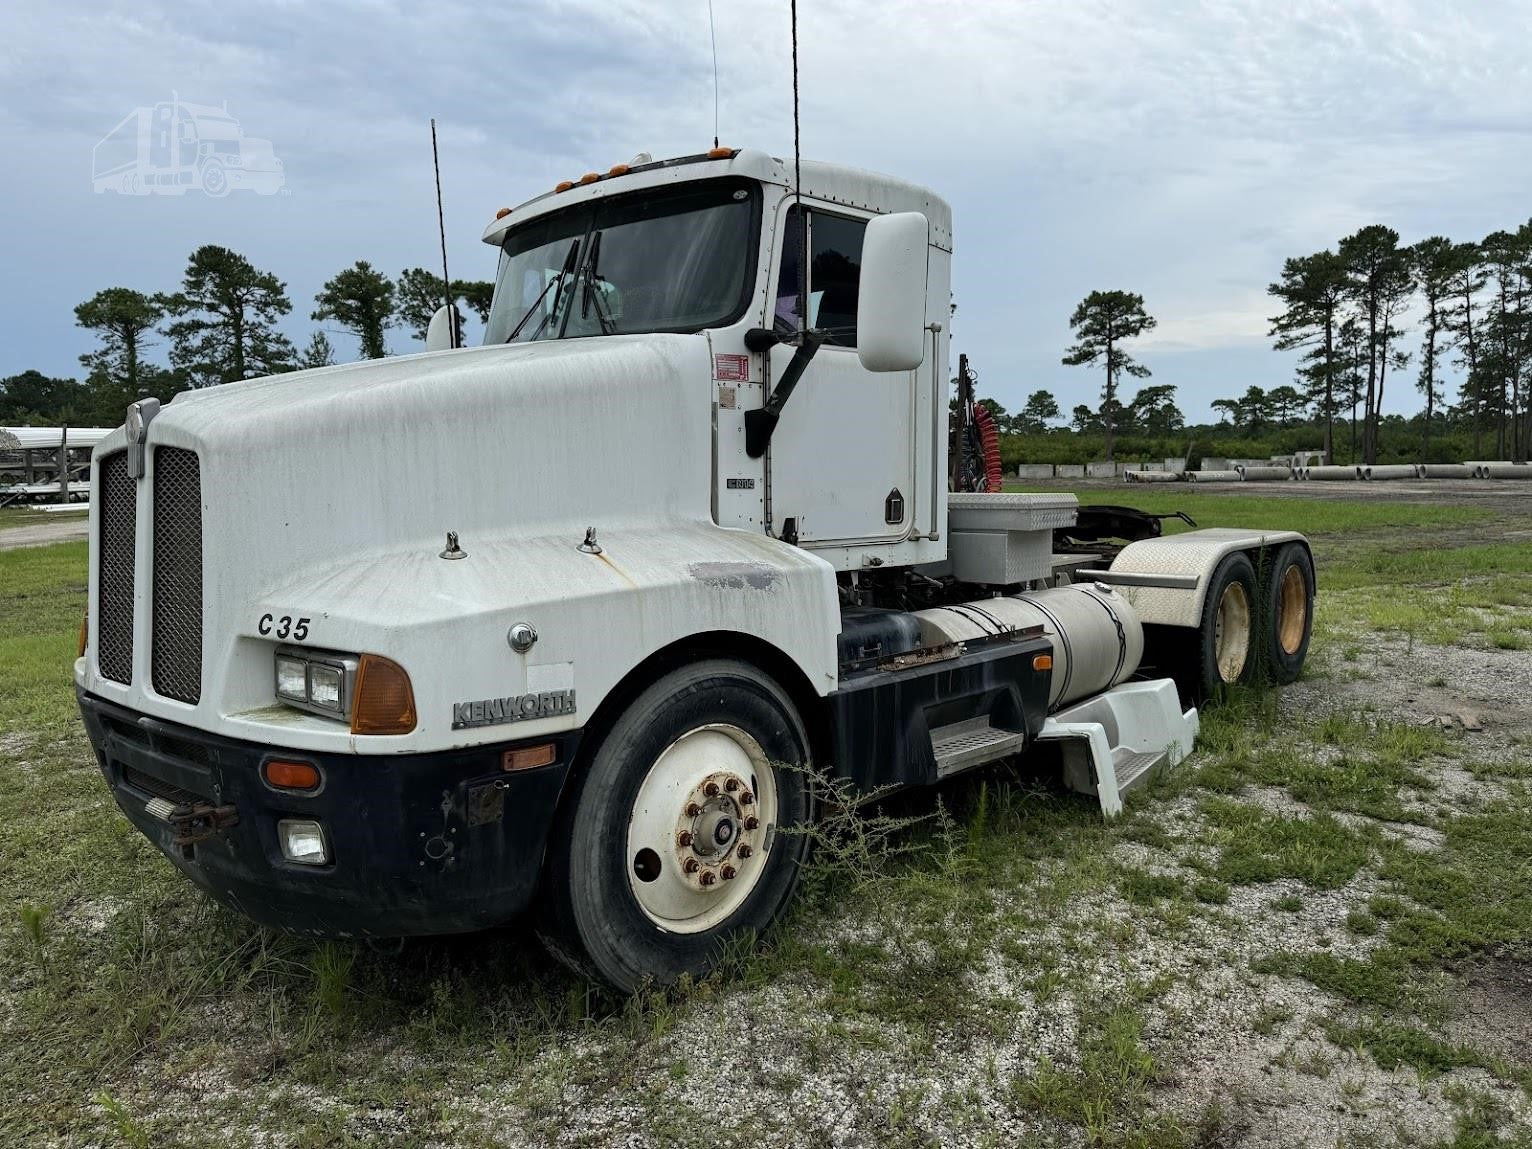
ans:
x=1176 y=149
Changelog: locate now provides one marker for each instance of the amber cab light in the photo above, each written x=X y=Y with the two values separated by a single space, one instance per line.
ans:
x=617 y=170
x=84 y=632
x=1042 y=662
x=384 y=702
x=590 y=177
x=721 y=153
x=502 y=213
x=530 y=756
x=564 y=185
x=291 y=775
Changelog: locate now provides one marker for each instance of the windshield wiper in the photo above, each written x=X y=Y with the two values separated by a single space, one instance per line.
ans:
x=591 y=293
x=558 y=280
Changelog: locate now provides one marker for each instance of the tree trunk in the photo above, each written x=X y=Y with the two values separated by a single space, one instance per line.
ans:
x=1372 y=380
x=1111 y=394
x=1329 y=387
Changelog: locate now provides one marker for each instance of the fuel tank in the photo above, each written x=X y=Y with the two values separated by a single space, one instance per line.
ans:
x=1097 y=638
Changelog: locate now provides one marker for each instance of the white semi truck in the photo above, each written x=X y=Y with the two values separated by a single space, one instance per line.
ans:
x=572 y=621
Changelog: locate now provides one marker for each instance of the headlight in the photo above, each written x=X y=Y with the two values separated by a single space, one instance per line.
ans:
x=317 y=680
x=303 y=842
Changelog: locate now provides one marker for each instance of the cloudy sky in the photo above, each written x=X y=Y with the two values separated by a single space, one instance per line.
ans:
x=1176 y=149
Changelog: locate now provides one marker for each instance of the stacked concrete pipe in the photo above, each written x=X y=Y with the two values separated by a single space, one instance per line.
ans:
x=1274 y=473
x=1377 y=472
x=1489 y=469
x=1213 y=476
x=1331 y=473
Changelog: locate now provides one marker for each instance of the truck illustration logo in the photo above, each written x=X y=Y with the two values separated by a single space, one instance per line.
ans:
x=175 y=146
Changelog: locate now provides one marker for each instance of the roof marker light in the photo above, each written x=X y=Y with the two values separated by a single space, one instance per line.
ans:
x=617 y=170
x=564 y=186
x=590 y=177
x=722 y=153
x=502 y=213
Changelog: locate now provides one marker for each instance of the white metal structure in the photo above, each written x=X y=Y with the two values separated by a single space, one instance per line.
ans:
x=573 y=618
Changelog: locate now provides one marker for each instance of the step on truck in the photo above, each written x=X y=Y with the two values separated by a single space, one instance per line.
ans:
x=572 y=622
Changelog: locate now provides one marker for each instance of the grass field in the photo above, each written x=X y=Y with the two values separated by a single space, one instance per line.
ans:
x=1316 y=931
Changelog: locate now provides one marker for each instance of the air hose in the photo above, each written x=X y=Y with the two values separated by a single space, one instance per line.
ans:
x=989 y=439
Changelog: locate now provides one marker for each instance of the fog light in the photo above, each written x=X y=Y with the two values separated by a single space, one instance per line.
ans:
x=326 y=686
x=292 y=679
x=303 y=842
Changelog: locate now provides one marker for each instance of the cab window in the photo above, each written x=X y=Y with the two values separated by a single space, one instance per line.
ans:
x=835 y=266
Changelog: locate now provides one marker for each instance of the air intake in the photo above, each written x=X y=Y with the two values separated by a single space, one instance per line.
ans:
x=114 y=575
x=177 y=618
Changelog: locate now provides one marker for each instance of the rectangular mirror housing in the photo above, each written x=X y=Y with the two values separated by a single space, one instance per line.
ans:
x=891 y=299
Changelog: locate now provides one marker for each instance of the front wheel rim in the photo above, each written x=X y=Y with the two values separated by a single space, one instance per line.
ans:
x=701 y=828
x=1231 y=632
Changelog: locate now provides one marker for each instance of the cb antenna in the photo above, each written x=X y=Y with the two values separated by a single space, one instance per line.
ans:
x=713 y=36
x=803 y=224
x=441 y=226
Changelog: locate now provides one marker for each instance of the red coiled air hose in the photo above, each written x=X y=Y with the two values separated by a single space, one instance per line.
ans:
x=989 y=439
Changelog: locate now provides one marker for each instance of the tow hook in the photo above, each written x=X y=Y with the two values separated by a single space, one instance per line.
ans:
x=194 y=822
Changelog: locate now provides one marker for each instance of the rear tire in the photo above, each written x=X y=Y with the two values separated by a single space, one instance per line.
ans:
x=654 y=865
x=1289 y=614
x=1226 y=648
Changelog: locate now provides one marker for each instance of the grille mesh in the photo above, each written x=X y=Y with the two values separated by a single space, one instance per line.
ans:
x=115 y=553
x=177 y=660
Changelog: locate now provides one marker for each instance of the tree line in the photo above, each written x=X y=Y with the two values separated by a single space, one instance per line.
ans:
x=1347 y=309
x=221 y=326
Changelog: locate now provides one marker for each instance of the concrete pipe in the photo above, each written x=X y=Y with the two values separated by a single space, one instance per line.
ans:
x=1151 y=477
x=1446 y=471
x=1265 y=474
x=1508 y=471
x=1378 y=473
x=1479 y=467
x=1331 y=473
x=1097 y=638
x=1213 y=476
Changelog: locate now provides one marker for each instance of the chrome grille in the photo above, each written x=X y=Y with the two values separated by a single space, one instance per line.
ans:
x=177 y=641
x=114 y=573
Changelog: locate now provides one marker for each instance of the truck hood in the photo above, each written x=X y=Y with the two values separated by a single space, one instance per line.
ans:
x=506 y=441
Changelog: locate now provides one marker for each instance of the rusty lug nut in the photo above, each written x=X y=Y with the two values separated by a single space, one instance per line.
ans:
x=684 y=838
x=711 y=789
x=745 y=851
x=731 y=785
x=708 y=877
x=746 y=798
x=728 y=872
x=691 y=865
x=692 y=809
x=752 y=823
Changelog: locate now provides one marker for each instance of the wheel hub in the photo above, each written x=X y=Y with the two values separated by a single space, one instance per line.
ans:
x=699 y=835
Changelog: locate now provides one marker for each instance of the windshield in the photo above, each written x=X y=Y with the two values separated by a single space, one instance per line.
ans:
x=671 y=259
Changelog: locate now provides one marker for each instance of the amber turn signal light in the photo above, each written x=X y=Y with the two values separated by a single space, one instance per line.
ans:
x=291 y=775
x=84 y=633
x=529 y=756
x=384 y=702
x=1042 y=662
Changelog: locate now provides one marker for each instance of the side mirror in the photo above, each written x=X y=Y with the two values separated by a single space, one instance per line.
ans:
x=439 y=335
x=891 y=297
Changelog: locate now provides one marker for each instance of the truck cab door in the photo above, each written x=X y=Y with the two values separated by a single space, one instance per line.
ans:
x=842 y=459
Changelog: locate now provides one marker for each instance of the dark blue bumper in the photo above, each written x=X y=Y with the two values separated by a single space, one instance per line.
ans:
x=419 y=844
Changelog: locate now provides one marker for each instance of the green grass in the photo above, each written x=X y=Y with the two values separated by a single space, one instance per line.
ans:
x=23 y=517
x=42 y=600
x=923 y=928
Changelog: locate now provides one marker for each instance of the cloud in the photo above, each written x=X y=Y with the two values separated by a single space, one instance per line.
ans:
x=1178 y=149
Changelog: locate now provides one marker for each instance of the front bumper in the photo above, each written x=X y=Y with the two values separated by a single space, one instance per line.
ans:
x=419 y=844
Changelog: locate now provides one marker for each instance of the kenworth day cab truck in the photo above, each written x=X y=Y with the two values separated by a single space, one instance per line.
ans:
x=571 y=620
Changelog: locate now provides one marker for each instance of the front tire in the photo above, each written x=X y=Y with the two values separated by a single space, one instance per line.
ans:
x=671 y=843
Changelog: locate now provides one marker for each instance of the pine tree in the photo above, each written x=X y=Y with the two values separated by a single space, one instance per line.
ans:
x=1313 y=292
x=1435 y=264
x=1101 y=323
x=1378 y=283
x=225 y=315
x=318 y=353
x=361 y=300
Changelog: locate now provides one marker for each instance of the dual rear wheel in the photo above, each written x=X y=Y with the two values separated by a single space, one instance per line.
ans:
x=1255 y=626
